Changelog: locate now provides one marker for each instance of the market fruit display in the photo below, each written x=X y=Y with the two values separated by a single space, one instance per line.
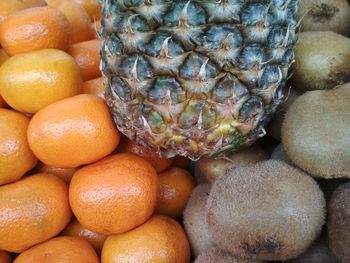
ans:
x=196 y=78
x=241 y=154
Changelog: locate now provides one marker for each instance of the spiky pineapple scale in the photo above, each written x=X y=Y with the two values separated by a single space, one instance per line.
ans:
x=198 y=77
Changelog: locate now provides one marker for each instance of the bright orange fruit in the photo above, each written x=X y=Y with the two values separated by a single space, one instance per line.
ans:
x=72 y=132
x=62 y=249
x=158 y=162
x=176 y=185
x=32 y=210
x=92 y=7
x=31 y=81
x=8 y=7
x=16 y=158
x=115 y=194
x=159 y=240
x=75 y=229
x=33 y=29
x=87 y=56
x=5 y=257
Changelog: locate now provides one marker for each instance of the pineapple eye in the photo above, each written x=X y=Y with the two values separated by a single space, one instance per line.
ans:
x=271 y=75
x=228 y=87
x=254 y=14
x=137 y=67
x=155 y=45
x=217 y=34
x=194 y=15
x=192 y=67
x=252 y=55
x=164 y=86
x=119 y=87
x=132 y=3
x=251 y=108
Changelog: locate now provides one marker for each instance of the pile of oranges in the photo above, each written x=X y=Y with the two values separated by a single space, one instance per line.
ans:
x=72 y=188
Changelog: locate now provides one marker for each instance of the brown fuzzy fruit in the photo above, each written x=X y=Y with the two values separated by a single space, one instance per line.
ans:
x=316 y=133
x=339 y=223
x=194 y=220
x=325 y=15
x=319 y=252
x=207 y=170
x=321 y=61
x=266 y=211
x=217 y=255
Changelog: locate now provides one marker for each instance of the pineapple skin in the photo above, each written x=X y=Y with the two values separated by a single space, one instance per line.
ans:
x=199 y=77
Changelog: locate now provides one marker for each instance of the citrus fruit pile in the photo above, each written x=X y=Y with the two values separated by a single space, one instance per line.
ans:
x=72 y=188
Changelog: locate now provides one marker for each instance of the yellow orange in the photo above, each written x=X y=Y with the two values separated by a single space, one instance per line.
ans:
x=60 y=250
x=94 y=86
x=31 y=81
x=75 y=229
x=92 y=7
x=79 y=20
x=115 y=194
x=32 y=210
x=176 y=185
x=3 y=56
x=160 y=240
x=72 y=132
x=87 y=56
x=34 y=3
x=33 y=29
x=15 y=156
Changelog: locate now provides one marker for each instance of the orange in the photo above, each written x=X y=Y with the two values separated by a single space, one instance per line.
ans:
x=31 y=81
x=65 y=174
x=74 y=131
x=92 y=7
x=15 y=156
x=176 y=185
x=32 y=210
x=5 y=257
x=79 y=20
x=158 y=162
x=75 y=229
x=87 y=56
x=115 y=194
x=160 y=240
x=33 y=29
x=181 y=162
x=60 y=250
x=3 y=104
x=8 y=7
x=94 y=86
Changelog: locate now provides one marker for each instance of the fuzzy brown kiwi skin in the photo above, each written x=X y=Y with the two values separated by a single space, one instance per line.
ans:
x=321 y=61
x=316 y=134
x=194 y=220
x=325 y=15
x=207 y=170
x=319 y=252
x=266 y=211
x=338 y=224
x=217 y=255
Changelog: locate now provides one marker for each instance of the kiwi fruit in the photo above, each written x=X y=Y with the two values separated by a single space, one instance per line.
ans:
x=280 y=154
x=194 y=220
x=217 y=255
x=207 y=170
x=325 y=15
x=265 y=211
x=322 y=60
x=319 y=252
x=275 y=125
x=316 y=133
x=338 y=224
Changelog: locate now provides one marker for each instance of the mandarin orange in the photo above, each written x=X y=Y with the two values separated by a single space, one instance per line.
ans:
x=159 y=240
x=62 y=249
x=32 y=210
x=16 y=158
x=94 y=86
x=115 y=194
x=34 y=29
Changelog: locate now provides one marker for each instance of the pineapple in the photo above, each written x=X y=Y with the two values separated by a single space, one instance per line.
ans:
x=197 y=77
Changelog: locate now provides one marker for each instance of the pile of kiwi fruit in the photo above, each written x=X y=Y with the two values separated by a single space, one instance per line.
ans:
x=287 y=197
